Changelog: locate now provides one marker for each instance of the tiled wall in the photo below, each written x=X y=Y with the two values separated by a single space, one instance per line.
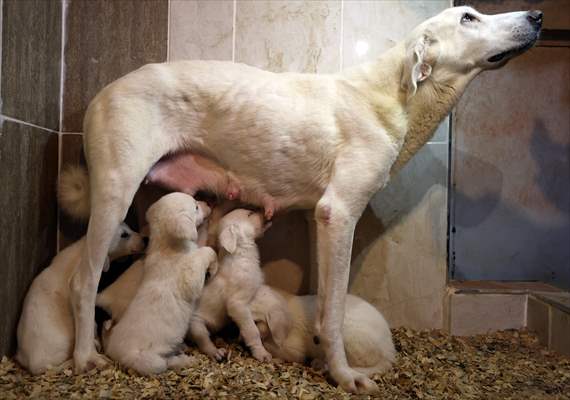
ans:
x=57 y=54
x=30 y=83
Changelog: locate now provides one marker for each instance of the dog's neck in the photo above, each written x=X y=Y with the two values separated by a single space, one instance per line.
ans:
x=410 y=121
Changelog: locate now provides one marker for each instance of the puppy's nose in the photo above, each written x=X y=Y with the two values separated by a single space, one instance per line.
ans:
x=145 y=241
x=535 y=17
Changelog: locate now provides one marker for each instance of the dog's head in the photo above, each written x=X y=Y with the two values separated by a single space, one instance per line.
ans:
x=125 y=241
x=460 y=41
x=241 y=225
x=176 y=216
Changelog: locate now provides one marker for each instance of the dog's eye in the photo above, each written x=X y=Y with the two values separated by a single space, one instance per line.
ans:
x=125 y=235
x=249 y=214
x=468 y=18
x=196 y=207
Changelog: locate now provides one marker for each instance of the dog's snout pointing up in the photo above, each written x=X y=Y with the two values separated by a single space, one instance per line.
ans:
x=535 y=18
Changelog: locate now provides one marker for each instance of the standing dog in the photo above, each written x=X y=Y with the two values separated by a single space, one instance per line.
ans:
x=233 y=288
x=148 y=336
x=286 y=325
x=45 y=330
x=327 y=142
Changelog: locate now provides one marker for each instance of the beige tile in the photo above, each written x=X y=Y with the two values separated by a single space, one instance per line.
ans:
x=537 y=318
x=399 y=253
x=560 y=331
x=371 y=27
x=473 y=314
x=296 y=36
x=201 y=30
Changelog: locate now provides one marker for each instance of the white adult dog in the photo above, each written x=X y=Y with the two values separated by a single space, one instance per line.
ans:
x=327 y=142
x=285 y=322
x=229 y=293
x=45 y=330
x=148 y=336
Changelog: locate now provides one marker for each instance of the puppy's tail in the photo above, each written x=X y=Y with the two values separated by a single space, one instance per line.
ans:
x=73 y=192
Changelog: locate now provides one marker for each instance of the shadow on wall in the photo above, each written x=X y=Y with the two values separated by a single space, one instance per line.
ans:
x=524 y=239
x=390 y=206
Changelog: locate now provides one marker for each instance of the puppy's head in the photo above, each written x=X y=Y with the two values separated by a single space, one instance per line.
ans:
x=271 y=315
x=125 y=242
x=240 y=226
x=176 y=216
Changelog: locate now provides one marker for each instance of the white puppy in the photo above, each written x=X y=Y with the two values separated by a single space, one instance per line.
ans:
x=45 y=330
x=116 y=297
x=148 y=336
x=286 y=324
x=235 y=285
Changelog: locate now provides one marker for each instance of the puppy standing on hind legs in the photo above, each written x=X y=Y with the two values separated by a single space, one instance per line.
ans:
x=229 y=293
x=148 y=336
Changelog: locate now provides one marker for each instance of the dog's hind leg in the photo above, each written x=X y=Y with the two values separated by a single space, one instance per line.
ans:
x=114 y=178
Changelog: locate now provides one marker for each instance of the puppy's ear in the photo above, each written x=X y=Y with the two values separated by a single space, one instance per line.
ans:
x=416 y=67
x=183 y=228
x=229 y=237
x=279 y=323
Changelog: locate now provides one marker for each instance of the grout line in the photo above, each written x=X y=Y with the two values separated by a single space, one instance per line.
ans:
x=7 y=118
x=168 y=31
x=62 y=61
x=72 y=133
x=341 y=52
x=59 y=151
x=234 y=32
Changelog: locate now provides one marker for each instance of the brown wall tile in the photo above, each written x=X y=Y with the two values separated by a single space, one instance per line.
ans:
x=106 y=40
x=31 y=65
x=28 y=172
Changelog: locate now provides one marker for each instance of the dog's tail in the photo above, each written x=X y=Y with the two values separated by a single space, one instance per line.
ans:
x=73 y=192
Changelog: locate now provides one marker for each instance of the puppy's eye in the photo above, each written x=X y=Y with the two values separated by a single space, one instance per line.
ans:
x=125 y=235
x=468 y=18
x=249 y=214
x=196 y=207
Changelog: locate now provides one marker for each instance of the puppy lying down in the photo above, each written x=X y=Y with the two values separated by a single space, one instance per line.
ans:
x=148 y=336
x=45 y=330
x=286 y=321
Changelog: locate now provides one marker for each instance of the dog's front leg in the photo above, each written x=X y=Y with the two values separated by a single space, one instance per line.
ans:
x=336 y=214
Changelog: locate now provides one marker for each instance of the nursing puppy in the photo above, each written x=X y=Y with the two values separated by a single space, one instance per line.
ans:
x=116 y=297
x=235 y=285
x=148 y=336
x=45 y=330
x=286 y=325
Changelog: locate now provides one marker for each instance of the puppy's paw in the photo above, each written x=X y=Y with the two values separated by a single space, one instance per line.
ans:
x=218 y=354
x=261 y=355
x=180 y=361
x=353 y=381
x=94 y=360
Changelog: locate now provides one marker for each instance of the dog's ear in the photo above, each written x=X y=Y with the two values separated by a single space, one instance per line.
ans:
x=229 y=237
x=279 y=323
x=416 y=67
x=183 y=228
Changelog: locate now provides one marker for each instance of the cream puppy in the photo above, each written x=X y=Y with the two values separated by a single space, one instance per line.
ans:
x=45 y=330
x=229 y=293
x=117 y=296
x=151 y=330
x=286 y=325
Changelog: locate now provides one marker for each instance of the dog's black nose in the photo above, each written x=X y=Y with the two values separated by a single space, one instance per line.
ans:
x=535 y=17
x=145 y=241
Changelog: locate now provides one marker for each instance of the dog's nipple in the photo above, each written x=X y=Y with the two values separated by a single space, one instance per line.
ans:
x=316 y=340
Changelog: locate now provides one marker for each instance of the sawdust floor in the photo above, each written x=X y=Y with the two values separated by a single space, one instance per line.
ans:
x=431 y=365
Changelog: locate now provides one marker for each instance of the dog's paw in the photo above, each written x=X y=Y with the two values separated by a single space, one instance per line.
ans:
x=354 y=382
x=261 y=355
x=94 y=360
x=180 y=361
x=218 y=354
